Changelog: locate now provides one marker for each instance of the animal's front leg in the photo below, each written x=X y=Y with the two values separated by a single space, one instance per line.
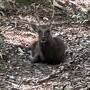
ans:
x=35 y=59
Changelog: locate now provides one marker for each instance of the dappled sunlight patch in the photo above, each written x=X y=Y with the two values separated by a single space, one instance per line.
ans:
x=24 y=38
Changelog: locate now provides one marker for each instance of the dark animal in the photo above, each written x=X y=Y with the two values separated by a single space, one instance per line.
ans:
x=47 y=49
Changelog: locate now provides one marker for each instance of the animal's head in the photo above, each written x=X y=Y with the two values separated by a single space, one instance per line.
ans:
x=43 y=32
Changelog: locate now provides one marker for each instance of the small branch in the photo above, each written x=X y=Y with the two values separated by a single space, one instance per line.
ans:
x=51 y=76
x=53 y=12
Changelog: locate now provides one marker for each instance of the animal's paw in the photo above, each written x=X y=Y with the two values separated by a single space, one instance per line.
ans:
x=34 y=60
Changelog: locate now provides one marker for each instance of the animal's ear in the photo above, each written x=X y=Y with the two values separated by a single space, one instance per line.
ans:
x=35 y=27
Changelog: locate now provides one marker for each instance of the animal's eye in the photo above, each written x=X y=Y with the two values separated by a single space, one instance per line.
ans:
x=48 y=31
x=39 y=31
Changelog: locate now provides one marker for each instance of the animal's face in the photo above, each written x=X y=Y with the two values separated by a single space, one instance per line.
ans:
x=44 y=34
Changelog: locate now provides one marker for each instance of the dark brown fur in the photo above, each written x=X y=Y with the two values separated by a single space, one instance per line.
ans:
x=48 y=49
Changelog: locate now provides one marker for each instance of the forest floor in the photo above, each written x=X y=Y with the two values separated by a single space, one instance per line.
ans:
x=16 y=70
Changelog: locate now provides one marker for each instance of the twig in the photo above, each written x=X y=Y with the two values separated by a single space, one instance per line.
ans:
x=51 y=76
x=36 y=14
x=47 y=78
x=51 y=21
